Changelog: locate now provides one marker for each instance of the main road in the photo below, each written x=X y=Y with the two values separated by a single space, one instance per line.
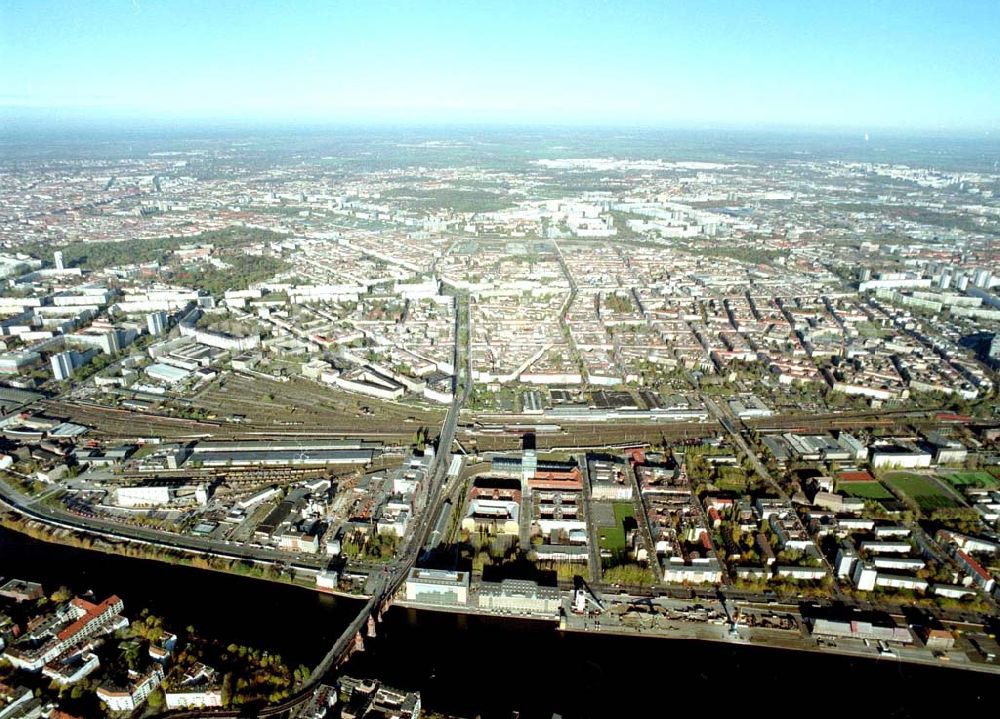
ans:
x=38 y=511
x=385 y=586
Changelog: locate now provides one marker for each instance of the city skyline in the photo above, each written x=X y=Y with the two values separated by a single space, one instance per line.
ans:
x=927 y=67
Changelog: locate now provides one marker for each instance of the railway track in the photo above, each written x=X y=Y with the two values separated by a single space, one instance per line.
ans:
x=125 y=423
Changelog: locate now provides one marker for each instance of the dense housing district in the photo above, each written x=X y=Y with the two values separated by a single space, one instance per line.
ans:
x=737 y=400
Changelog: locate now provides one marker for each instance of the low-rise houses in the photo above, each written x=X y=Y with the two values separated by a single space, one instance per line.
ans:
x=493 y=504
x=608 y=479
x=860 y=629
x=21 y=591
x=897 y=457
x=66 y=670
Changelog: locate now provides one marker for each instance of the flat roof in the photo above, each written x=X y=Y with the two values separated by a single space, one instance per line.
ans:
x=438 y=576
x=20 y=586
x=168 y=372
x=283 y=456
x=279 y=445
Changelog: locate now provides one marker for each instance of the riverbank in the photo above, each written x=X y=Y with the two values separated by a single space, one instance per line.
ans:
x=91 y=540
x=418 y=606
x=277 y=617
x=786 y=640
x=693 y=631
x=466 y=663
x=797 y=639
x=591 y=673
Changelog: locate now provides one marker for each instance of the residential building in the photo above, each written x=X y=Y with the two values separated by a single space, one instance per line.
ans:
x=156 y=323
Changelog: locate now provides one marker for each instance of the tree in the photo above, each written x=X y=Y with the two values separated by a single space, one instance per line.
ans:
x=156 y=700
x=62 y=594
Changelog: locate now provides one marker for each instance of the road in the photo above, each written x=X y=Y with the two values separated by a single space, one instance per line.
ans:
x=33 y=508
x=730 y=426
x=593 y=546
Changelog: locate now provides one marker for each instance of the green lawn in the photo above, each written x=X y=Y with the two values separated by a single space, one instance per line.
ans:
x=922 y=490
x=623 y=511
x=871 y=329
x=975 y=479
x=732 y=478
x=613 y=538
x=864 y=490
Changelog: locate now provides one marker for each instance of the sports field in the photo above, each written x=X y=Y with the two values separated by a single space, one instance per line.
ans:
x=972 y=479
x=927 y=493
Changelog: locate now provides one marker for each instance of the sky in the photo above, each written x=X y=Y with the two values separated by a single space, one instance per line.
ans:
x=844 y=63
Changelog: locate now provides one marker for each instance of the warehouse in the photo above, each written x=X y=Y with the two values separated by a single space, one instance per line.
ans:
x=281 y=457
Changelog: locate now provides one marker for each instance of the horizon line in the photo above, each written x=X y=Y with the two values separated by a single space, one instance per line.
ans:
x=27 y=120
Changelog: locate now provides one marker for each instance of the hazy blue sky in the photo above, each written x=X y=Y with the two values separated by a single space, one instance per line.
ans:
x=905 y=63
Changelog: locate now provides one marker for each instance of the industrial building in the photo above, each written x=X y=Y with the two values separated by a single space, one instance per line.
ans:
x=435 y=586
x=519 y=596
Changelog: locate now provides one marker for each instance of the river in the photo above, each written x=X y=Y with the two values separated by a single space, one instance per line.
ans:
x=300 y=624
x=488 y=667
x=474 y=666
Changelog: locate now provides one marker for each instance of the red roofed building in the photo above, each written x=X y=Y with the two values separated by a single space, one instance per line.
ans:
x=980 y=577
x=940 y=639
x=83 y=621
x=496 y=493
x=637 y=455
x=706 y=541
x=952 y=417
x=566 y=481
x=90 y=618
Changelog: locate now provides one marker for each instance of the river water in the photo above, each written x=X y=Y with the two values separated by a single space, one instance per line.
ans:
x=489 y=667
x=476 y=666
x=297 y=623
